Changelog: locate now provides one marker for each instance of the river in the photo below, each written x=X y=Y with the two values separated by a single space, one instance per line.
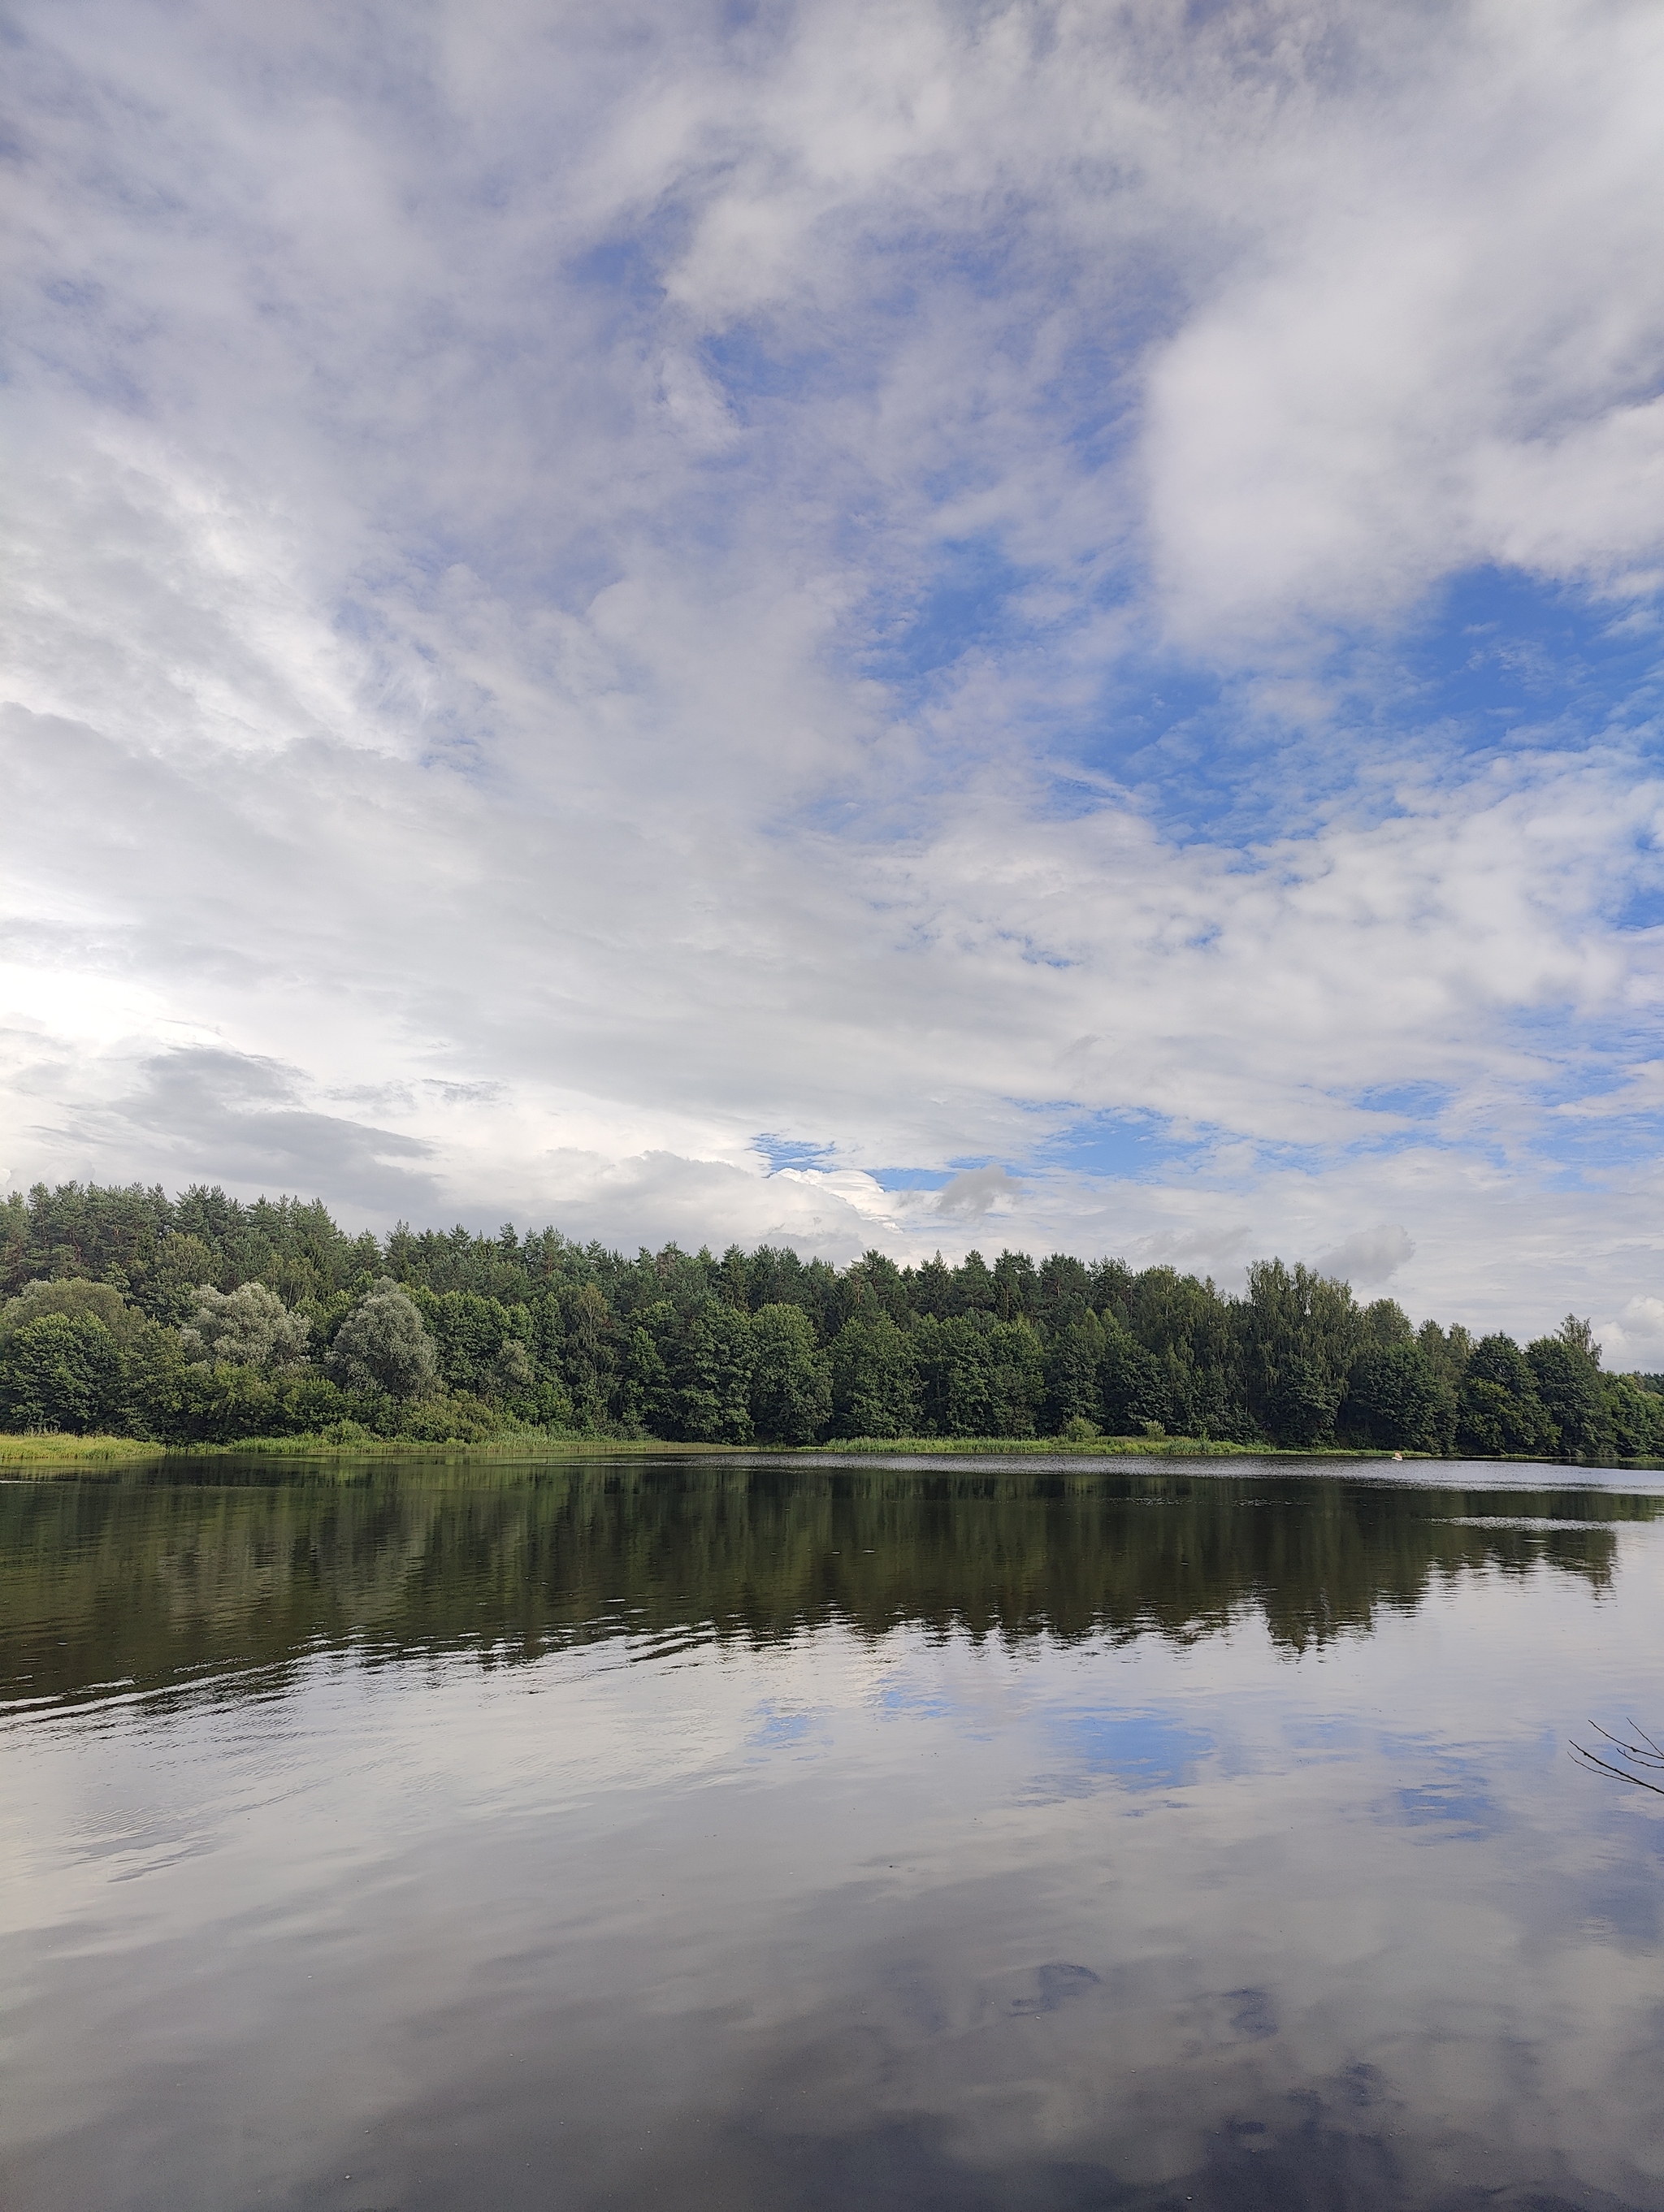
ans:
x=746 y=1834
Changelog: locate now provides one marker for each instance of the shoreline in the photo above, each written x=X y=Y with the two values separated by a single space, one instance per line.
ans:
x=44 y=1456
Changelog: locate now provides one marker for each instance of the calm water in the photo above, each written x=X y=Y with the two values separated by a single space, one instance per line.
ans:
x=687 y=1834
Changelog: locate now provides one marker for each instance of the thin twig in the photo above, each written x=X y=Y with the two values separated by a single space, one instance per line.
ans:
x=1643 y=1753
x=1651 y=1757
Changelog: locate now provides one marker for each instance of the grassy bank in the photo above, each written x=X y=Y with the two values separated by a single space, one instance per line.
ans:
x=1093 y=1448
x=49 y=1456
x=526 y=1444
x=63 y=1454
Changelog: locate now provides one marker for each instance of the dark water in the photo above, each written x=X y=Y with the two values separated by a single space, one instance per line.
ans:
x=684 y=1834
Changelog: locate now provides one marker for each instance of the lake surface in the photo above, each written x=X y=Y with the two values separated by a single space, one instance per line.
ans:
x=695 y=1834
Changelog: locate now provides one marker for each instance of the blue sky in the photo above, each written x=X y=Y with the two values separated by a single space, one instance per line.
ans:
x=909 y=625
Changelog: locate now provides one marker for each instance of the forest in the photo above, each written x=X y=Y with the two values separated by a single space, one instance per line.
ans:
x=203 y=1318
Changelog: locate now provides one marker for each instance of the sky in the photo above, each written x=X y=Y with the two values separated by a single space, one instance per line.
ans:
x=848 y=624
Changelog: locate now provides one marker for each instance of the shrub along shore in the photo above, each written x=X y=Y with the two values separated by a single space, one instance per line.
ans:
x=129 y=1320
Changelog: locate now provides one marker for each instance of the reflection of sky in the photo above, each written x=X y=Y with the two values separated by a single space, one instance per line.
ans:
x=1452 y=1793
x=776 y=1728
x=1138 y=1750
x=1146 y=1911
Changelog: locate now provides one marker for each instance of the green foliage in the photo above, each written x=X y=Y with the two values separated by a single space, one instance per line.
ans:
x=74 y=1295
x=383 y=1345
x=249 y=1327
x=60 y=1371
x=876 y=1286
x=1300 y=1334
x=978 y=1377
x=1446 y=1352
x=791 y=1380
x=875 y=1378
x=1385 y=1322
x=1131 y=1391
x=471 y=1335
x=1634 y=1418
x=1072 y=1368
x=1064 y=1292
x=1498 y=1411
x=592 y=1356
x=645 y=1400
x=222 y=1404
x=204 y=1318
x=1394 y=1398
x=973 y=1289
x=1302 y=1405
x=689 y=1370
x=1566 y=1371
x=931 y=1290
x=712 y=1377
x=1016 y=1288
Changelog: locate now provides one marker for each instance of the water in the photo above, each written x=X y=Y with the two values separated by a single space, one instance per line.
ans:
x=693 y=1834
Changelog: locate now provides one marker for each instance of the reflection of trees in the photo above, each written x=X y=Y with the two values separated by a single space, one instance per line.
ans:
x=136 y=1580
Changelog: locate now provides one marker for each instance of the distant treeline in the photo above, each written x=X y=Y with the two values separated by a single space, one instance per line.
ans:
x=201 y=1318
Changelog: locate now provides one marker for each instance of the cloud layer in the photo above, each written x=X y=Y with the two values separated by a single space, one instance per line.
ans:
x=1053 y=606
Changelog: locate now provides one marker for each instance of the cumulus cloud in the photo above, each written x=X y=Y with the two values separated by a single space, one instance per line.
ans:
x=1634 y=1341
x=1368 y=1257
x=978 y=1192
x=588 y=584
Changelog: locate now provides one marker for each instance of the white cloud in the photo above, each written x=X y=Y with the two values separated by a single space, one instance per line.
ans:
x=1434 y=358
x=1369 y=1258
x=1634 y=1342
x=979 y=1192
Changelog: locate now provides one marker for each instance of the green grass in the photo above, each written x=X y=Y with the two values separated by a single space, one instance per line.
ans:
x=526 y=1444
x=48 y=1455
x=1088 y=1448
x=55 y=1454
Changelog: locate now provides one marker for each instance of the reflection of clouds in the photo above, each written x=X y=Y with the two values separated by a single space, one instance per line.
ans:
x=782 y=1727
x=1149 y=1750
x=1452 y=1799
x=899 y=1963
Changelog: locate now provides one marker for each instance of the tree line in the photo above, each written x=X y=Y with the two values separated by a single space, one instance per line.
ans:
x=202 y=1318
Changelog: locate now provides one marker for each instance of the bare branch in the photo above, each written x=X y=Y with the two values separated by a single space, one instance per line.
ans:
x=1644 y=1753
